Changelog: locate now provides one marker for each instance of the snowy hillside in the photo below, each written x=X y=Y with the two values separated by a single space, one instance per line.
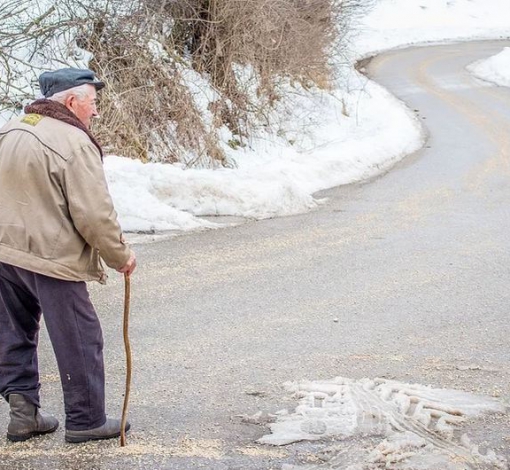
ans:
x=333 y=139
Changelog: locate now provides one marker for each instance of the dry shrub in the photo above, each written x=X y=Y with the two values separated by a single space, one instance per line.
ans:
x=146 y=109
x=277 y=38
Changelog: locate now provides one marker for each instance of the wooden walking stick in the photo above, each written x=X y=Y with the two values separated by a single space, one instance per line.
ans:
x=127 y=295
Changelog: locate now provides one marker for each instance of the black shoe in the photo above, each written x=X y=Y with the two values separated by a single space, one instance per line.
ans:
x=26 y=419
x=108 y=430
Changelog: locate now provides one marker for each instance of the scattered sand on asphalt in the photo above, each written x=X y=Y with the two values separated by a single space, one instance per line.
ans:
x=263 y=452
x=186 y=447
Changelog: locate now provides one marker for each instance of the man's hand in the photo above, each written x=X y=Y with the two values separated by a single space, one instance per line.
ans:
x=130 y=266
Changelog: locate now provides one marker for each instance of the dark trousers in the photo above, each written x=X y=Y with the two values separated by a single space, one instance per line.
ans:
x=75 y=334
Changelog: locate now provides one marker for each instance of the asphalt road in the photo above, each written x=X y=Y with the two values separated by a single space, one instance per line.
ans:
x=404 y=277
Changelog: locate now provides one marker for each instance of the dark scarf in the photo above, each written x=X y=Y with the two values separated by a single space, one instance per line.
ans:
x=58 y=111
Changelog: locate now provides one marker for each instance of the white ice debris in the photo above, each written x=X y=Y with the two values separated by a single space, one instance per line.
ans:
x=415 y=423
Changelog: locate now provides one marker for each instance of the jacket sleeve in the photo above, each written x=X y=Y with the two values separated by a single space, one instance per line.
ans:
x=91 y=206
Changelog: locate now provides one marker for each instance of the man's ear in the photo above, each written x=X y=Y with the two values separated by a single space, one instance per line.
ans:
x=70 y=102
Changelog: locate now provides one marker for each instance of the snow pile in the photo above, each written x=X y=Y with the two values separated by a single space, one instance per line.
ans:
x=272 y=178
x=495 y=69
x=416 y=424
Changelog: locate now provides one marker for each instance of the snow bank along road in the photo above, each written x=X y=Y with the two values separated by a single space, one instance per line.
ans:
x=405 y=277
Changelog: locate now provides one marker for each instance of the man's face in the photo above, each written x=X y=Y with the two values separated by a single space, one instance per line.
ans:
x=84 y=107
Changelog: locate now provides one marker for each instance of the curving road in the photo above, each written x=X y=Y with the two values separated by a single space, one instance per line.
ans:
x=405 y=277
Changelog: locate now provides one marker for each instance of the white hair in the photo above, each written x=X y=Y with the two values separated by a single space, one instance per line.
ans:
x=81 y=92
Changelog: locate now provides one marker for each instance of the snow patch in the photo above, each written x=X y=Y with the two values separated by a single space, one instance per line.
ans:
x=495 y=69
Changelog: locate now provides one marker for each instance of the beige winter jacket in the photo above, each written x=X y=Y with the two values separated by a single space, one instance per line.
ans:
x=56 y=214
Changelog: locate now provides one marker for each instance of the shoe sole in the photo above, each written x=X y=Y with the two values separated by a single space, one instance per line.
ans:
x=79 y=439
x=26 y=437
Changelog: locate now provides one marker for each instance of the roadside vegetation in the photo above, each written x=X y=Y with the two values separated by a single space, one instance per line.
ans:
x=184 y=78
